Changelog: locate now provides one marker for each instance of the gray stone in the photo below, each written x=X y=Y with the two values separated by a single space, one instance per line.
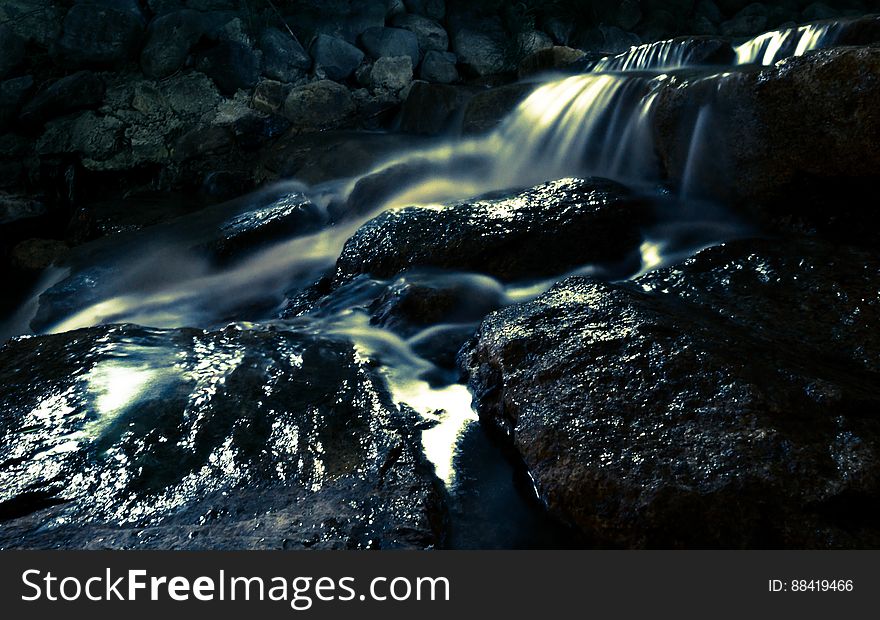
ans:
x=382 y=42
x=439 y=67
x=98 y=36
x=284 y=59
x=319 y=105
x=391 y=74
x=334 y=58
x=430 y=34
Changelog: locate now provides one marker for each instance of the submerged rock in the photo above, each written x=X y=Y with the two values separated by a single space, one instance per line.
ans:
x=542 y=231
x=126 y=437
x=728 y=402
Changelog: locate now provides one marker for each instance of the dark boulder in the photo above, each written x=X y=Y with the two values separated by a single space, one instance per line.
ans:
x=728 y=402
x=430 y=34
x=382 y=42
x=232 y=65
x=334 y=58
x=542 y=231
x=96 y=36
x=486 y=110
x=284 y=59
x=788 y=141
x=549 y=59
x=79 y=91
x=431 y=109
x=13 y=93
x=13 y=51
x=170 y=38
x=253 y=229
x=124 y=437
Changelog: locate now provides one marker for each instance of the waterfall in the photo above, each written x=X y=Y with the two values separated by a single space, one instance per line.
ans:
x=771 y=47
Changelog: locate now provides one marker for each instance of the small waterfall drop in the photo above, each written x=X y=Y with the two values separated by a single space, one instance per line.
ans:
x=771 y=47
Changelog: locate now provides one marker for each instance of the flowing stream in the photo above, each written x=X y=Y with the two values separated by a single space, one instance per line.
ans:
x=594 y=124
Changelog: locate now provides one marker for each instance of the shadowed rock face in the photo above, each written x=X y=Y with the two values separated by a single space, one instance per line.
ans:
x=730 y=402
x=127 y=437
x=785 y=137
x=539 y=232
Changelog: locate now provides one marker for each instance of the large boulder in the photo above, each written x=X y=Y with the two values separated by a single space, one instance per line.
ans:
x=542 y=231
x=727 y=402
x=319 y=105
x=77 y=91
x=124 y=437
x=382 y=42
x=784 y=138
x=36 y=21
x=335 y=58
x=391 y=74
x=97 y=36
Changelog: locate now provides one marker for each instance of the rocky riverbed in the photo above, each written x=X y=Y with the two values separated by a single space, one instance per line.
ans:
x=428 y=274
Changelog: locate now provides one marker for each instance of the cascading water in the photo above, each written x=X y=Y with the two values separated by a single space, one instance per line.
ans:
x=595 y=124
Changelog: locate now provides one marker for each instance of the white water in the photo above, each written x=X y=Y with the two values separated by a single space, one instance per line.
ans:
x=593 y=124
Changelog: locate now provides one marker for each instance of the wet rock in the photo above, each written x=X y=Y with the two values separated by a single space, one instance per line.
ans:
x=170 y=38
x=382 y=42
x=319 y=105
x=344 y=20
x=545 y=230
x=78 y=91
x=723 y=403
x=232 y=65
x=486 y=110
x=788 y=141
x=549 y=59
x=13 y=51
x=98 y=36
x=429 y=34
x=391 y=74
x=435 y=9
x=140 y=438
x=334 y=58
x=284 y=59
x=439 y=67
